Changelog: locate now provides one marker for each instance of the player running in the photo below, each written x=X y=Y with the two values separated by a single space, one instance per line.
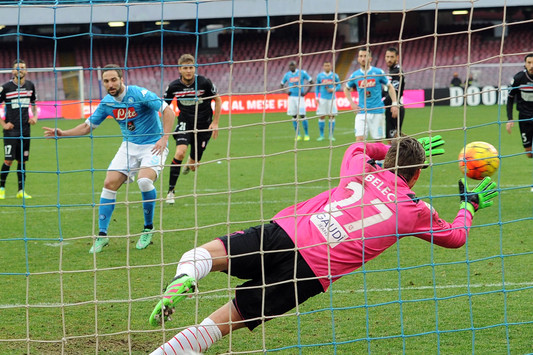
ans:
x=142 y=152
x=295 y=80
x=197 y=122
x=368 y=81
x=393 y=126
x=18 y=94
x=319 y=240
x=328 y=83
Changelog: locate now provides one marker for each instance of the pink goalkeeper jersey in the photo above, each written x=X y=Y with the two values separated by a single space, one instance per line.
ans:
x=370 y=210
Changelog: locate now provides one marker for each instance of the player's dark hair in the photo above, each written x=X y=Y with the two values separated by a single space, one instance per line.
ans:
x=405 y=157
x=17 y=61
x=393 y=50
x=528 y=56
x=186 y=58
x=367 y=50
x=113 y=67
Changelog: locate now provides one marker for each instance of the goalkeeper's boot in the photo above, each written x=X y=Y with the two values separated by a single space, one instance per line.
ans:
x=99 y=244
x=145 y=239
x=298 y=138
x=2 y=193
x=170 y=198
x=23 y=194
x=178 y=289
x=331 y=138
x=320 y=138
x=307 y=138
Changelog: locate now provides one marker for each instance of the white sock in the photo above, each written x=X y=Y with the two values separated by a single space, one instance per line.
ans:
x=196 y=263
x=194 y=338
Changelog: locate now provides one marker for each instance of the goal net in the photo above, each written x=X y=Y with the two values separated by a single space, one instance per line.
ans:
x=415 y=297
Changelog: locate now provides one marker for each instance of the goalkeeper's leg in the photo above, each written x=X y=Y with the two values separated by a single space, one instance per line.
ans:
x=200 y=338
x=193 y=266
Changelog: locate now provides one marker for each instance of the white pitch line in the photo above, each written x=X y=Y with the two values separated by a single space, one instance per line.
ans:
x=403 y=289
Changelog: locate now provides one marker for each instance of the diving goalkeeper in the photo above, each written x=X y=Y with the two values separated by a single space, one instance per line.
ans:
x=312 y=244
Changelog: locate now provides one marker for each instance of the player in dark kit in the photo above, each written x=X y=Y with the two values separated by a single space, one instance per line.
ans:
x=522 y=93
x=18 y=94
x=197 y=122
x=398 y=81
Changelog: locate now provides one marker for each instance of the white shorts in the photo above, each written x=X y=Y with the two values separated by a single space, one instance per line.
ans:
x=131 y=157
x=296 y=106
x=373 y=123
x=327 y=107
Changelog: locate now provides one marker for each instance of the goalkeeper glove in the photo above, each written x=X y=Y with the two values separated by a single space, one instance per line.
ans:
x=480 y=197
x=431 y=143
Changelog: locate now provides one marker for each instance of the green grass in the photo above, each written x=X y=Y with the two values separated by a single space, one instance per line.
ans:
x=415 y=298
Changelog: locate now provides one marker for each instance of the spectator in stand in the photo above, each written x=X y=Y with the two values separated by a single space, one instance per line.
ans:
x=456 y=81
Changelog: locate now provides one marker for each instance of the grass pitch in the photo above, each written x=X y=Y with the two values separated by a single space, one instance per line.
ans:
x=415 y=298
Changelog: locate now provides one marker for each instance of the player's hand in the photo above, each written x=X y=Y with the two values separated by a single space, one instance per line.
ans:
x=160 y=145
x=32 y=120
x=52 y=132
x=508 y=126
x=480 y=197
x=8 y=126
x=394 y=111
x=431 y=145
x=214 y=127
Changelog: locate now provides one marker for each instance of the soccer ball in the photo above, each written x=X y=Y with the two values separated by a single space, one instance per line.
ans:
x=479 y=159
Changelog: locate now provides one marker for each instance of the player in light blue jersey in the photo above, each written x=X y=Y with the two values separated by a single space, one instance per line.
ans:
x=328 y=83
x=142 y=153
x=295 y=80
x=370 y=112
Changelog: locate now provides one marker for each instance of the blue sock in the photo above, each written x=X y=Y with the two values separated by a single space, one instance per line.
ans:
x=305 y=126
x=331 y=127
x=105 y=211
x=295 y=125
x=149 y=206
x=321 y=125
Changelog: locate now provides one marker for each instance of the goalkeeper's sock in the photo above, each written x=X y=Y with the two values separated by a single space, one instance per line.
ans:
x=321 y=126
x=196 y=263
x=149 y=194
x=175 y=169
x=107 y=206
x=3 y=174
x=196 y=338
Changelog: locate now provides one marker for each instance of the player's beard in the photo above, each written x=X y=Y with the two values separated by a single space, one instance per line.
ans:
x=118 y=91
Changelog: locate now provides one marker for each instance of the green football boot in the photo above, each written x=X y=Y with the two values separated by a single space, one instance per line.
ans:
x=145 y=239
x=178 y=289
x=99 y=244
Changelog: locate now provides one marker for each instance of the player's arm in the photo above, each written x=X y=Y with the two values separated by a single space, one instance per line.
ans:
x=168 y=125
x=80 y=130
x=310 y=85
x=394 y=98
x=510 y=106
x=348 y=94
x=216 y=116
x=33 y=120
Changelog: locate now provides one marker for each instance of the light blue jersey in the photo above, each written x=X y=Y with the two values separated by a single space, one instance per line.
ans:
x=368 y=87
x=295 y=81
x=327 y=81
x=136 y=114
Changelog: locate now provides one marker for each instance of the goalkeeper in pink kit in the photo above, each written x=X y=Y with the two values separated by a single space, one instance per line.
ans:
x=334 y=233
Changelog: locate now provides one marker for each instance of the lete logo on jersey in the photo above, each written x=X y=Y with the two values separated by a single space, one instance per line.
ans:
x=123 y=113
